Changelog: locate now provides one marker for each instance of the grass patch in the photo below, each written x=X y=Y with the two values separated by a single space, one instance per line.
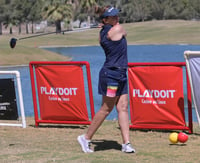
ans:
x=58 y=143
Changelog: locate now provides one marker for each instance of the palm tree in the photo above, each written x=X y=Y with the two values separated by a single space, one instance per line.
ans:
x=85 y=8
x=8 y=16
x=88 y=4
x=57 y=11
x=2 y=3
x=35 y=12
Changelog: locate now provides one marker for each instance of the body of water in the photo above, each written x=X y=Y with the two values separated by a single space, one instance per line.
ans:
x=95 y=56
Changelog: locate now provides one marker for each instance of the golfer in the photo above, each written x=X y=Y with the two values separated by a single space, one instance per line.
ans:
x=112 y=79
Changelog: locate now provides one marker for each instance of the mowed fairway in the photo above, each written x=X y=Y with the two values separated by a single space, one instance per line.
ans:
x=57 y=143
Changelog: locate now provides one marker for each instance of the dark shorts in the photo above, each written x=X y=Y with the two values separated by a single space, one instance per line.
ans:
x=112 y=82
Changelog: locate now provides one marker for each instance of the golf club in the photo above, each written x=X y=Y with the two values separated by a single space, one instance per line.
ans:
x=13 y=41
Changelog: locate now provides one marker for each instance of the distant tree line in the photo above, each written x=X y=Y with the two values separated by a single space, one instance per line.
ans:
x=144 y=10
x=18 y=12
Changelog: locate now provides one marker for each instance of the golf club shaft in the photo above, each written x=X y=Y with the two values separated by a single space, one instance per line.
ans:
x=13 y=41
x=22 y=38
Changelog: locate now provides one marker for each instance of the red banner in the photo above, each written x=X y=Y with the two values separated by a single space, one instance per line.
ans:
x=61 y=93
x=156 y=95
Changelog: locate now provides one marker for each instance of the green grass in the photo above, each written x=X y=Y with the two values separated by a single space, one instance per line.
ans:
x=58 y=143
x=152 y=32
x=164 y=32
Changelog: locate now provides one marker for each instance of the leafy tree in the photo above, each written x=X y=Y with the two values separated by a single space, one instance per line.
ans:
x=127 y=13
x=83 y=10
x=134 y=10
x=35 y=12
x=142 y=9
x=176 y=9
x=16 y=12
x=19 y=13
x=8 y=15
x=57 y=11
x=195 y=8
x=25 y=11
x=157 y=8
x=2 y=8
x=88 y=4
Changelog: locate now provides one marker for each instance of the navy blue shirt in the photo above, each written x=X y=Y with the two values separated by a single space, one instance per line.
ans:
x=115 y=51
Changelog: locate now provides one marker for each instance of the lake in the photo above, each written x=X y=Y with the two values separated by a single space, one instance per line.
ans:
x=95 y=56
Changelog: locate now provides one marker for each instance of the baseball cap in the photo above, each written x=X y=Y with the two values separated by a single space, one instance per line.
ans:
x=111 y=11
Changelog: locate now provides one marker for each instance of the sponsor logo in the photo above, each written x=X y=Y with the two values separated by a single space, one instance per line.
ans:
x=58 y=91
x=154 y=93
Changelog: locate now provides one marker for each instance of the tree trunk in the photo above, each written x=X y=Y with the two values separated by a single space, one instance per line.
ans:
x=27 y=28
x=10 y=27
x=58 y=26
x=88 y=20
x=20 y=28
x=1 y=29
x=80 y=24
x=11 y=30
x=32 y=28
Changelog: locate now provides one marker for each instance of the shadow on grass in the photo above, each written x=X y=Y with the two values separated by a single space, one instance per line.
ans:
x=182 y=144
x=196 y=134
x=101 y=145
x=61 y=126
x=165 y=131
